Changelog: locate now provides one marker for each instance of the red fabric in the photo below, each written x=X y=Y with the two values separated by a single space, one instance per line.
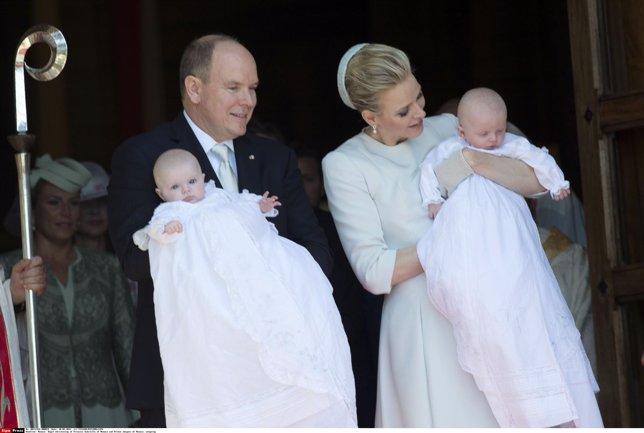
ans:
x=8 y=412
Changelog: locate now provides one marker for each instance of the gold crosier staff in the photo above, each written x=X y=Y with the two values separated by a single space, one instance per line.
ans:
x=22 y=141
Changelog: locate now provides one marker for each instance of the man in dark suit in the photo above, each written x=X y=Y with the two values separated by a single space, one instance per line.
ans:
x=218 y=82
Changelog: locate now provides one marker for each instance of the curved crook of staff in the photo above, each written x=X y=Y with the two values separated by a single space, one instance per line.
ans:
x=22 y=143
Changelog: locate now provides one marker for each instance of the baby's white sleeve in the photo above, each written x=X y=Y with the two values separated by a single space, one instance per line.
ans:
x=429 y=187
x=431 y=190
x=141 y=238
x=155 y=230
x=245 y=195
x=545 y=167
x=163 y=214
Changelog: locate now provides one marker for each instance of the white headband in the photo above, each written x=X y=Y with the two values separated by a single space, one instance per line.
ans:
x=342 y=70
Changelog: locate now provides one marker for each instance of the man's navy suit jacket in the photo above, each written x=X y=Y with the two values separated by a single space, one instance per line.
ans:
x=262 y=165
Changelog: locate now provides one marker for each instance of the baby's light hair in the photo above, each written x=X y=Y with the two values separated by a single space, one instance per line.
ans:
x=480 y=99
x=170 y=159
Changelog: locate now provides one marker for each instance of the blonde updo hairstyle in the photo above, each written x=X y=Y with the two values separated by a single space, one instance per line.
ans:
x=372 y=70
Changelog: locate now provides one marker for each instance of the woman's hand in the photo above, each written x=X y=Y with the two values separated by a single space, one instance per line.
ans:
x=433 y=209
x=407 y=265
x=27 y=274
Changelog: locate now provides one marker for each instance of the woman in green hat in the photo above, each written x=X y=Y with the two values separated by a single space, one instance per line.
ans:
x=85 y=317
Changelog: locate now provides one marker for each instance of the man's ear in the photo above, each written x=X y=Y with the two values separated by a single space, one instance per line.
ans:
x=369 y=117
x=193 y=86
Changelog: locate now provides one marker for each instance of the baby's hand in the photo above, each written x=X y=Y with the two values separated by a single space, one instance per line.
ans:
x=563 y=193
x=172 y=227
x=267 y=203
x=433 y=209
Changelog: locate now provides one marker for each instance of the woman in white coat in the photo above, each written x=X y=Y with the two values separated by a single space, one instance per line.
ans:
x=371 y=182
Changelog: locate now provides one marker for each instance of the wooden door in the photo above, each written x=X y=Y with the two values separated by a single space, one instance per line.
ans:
x=607 y=51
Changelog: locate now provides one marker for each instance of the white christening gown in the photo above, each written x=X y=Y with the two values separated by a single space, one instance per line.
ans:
x=248 y=330
x=488 y=274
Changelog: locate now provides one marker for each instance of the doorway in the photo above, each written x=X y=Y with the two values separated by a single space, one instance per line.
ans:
x=607 y=50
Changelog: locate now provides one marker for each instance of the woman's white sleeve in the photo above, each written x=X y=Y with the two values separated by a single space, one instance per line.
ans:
x=358 y=223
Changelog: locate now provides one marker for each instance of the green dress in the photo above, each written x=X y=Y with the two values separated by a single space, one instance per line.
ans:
x=85 y=333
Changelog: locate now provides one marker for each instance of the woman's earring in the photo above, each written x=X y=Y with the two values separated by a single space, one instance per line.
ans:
x=375 y=130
